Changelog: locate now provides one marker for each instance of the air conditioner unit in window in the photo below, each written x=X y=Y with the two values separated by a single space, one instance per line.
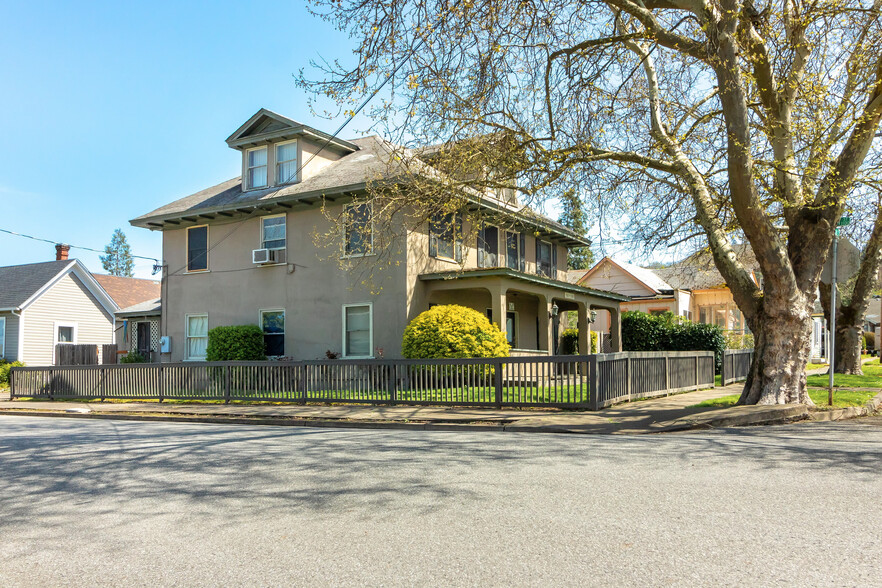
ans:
x=267 y=256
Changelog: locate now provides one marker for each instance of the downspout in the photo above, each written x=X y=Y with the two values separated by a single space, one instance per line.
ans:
x=20 y=350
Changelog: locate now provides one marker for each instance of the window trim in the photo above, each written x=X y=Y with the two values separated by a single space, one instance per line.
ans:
x=261 y=240
x=187 y=337
x=518 y=255
x=2 y=336
x=74 y=330
x=248 y=168
x=552 y=269
x=346 y=207
x=370 y=306
x=207 y=248
x=437 y=238
x=284 y=332
x=278 y=181
x=483 y=256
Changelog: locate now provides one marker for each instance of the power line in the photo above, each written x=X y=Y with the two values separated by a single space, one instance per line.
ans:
x=153 y=259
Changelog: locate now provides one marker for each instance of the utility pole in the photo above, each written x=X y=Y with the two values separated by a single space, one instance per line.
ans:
x=844 y=221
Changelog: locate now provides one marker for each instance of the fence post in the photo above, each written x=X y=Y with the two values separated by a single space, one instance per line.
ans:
x=12 y=384
x=696 y=372
x=393 y=385
x=304 y=382
x=497 y=382
x=161 y=382
x=667 y=373
x=51 y=384
x=101 y=383
x=228 y=373
x=593 y=383
x=628 y=377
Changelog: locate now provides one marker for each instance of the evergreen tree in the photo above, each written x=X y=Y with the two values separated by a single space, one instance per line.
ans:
x=573 y=216
x=117 y=259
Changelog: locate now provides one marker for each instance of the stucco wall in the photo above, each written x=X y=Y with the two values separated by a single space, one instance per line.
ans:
x=10 y=352
x=312 y=287
x=68 y=301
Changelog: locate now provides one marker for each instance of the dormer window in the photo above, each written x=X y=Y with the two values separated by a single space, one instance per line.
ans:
x=286 y=162
x=256 y=173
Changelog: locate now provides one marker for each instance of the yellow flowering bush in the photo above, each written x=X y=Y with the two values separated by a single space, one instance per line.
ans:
x=453 y=331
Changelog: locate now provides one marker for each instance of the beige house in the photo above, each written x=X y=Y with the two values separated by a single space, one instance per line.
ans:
x=692 y=289
x=45 y=304
x=263 y=248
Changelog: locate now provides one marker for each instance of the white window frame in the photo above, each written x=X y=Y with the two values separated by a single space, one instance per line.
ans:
x=261 y=235
x=207 y=249
x=187 y=335
x=284 y=325
x=346 y=207
x=57 y=325
x=370 y=306
x=2 y=337
x=249 y=167
x=279 y=180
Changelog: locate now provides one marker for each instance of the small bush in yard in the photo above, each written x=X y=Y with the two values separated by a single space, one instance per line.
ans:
x=133 y=357
x=452 y=331
x=5 y=366
x=236 y=343
x=666 y=332
x=569 y=342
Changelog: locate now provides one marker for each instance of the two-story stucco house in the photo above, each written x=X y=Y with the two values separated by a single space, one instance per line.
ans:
x=263 y=249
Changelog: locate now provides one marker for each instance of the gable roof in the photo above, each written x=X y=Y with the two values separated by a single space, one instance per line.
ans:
x=698 y=271
x=646 y=277
x=266 y=125
x=128 y=291
x=20 y=285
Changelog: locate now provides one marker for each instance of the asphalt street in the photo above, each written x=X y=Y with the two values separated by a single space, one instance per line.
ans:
x=121 y=503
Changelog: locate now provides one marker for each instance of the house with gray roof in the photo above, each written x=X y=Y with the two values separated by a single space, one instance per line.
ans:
x=45 y=304
x=292 y=244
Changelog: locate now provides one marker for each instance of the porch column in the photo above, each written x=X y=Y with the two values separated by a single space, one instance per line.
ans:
x=544 y=312
x=615 y=329
x=497 y=306
x=584 y=329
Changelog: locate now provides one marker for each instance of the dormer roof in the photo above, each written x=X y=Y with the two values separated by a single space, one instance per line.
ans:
x=267 y=126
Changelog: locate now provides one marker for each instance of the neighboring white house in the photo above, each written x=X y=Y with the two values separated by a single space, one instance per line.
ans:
x=44 y=304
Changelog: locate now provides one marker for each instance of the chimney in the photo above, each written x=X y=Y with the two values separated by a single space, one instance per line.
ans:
x=61 y=251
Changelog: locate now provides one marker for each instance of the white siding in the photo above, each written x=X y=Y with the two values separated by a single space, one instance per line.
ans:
x=613 y=279
x=69 y=302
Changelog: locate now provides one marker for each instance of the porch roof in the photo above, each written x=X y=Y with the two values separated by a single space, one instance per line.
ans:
x=504 y=272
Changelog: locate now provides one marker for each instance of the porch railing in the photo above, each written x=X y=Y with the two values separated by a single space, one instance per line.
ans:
x=736 y=365
x=569 y=381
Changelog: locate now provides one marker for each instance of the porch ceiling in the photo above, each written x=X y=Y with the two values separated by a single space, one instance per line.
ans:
x=524 y=278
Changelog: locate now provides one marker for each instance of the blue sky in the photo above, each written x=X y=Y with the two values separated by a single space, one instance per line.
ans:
x=109 y=110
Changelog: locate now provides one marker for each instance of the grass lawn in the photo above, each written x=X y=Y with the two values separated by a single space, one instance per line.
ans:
x=841 y=399
x=872 y=378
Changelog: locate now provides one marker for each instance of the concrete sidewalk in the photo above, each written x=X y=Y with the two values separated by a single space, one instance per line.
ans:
x=656 y=415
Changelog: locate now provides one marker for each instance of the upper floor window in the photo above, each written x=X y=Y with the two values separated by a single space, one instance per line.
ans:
x=514 y=251
x=197 y=248
x=272 y=232
x=359 y=230
x=445 y=236
x=256 y=174
x=488 y=247
x=286 y=162
x=544 y=262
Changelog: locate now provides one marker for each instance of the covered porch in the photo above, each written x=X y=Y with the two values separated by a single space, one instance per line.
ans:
x=528 y=308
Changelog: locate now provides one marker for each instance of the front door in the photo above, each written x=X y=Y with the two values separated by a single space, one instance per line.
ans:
x=511 y=325
x=144 y=340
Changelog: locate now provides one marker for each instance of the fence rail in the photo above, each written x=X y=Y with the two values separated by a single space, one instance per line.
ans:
x=736 y=365
x=570 y=381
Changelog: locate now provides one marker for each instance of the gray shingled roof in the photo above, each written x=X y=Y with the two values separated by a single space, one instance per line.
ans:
x=20 y=282
x=347 y=174
x=147 y=307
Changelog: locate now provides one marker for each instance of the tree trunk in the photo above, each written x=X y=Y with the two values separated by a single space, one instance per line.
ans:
x=847 y=351
x=782 y=345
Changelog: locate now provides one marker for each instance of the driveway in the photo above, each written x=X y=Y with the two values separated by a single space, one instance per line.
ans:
x=103 y=502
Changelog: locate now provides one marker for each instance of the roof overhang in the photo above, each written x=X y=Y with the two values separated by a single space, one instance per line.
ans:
x=88 y=280
x=503 y=272
x=291 y=129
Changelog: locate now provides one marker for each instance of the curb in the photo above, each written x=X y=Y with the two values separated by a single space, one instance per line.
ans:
x=769 y=415
x=841 y=414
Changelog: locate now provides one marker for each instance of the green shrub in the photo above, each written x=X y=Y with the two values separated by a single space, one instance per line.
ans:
x=5 y=366
x=666 y=332
x=451 y=331
x=569 y=342
x=868 y=340
x=736 y=341
x=237 y=343
x=133 y=357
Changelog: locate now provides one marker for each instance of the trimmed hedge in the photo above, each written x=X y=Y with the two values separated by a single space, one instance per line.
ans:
x=452 y=331
x=5 y=366
x=237 y=343
x=569 y=342
x=645 y=332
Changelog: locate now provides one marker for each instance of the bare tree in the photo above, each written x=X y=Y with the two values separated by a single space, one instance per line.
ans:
x=709 y=121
